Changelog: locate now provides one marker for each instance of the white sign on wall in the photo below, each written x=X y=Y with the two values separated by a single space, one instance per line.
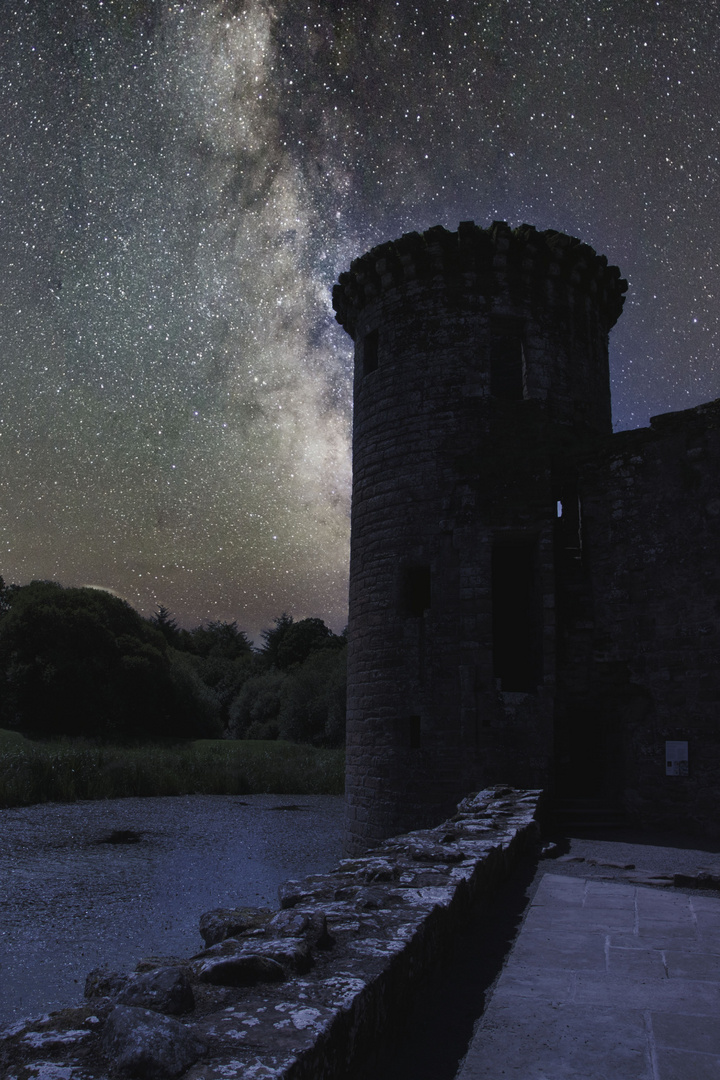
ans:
x=676 y=759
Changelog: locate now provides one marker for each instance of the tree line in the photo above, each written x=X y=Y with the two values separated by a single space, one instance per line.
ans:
x=82 y=662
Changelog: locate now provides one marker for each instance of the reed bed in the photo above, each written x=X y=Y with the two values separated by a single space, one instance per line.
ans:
x=68 y=770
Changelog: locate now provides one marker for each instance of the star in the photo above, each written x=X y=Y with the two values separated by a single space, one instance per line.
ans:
x=181 y=184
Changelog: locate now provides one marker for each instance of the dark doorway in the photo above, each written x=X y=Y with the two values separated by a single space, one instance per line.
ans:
x=589 y=750
x=579 y=756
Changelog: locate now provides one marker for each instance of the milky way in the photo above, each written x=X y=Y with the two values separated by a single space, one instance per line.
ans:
x=180 y=185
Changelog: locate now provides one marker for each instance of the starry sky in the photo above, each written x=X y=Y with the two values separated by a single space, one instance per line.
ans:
x=181 y=183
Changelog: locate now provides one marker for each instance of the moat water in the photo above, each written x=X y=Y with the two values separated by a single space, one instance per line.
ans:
x=71 y=899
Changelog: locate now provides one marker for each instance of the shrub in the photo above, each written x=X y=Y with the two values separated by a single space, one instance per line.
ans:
x=83 y=662
x=303 y=704
x=312 y=705
x=254 y=712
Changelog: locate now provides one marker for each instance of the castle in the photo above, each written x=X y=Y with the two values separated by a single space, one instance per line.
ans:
x=534 y=600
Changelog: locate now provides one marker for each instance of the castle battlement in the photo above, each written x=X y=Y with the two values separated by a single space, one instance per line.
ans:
x=484 y=259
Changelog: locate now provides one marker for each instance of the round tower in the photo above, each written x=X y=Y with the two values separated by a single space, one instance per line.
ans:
x=481 y=365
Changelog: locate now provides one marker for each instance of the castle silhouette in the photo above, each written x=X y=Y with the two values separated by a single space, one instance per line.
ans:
x=534 y=600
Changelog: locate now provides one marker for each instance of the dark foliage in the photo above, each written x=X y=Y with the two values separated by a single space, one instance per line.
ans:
x=83 y=662
x=220 y=677
x=292 y=642
x=167 y=626
x=7 y=593
x=272 y=639
x=217 y=641
x=305 y=703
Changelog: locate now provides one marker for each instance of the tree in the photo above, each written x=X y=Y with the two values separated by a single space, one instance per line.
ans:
x=313 y=699
x=221 y=679
x=6 y=595
x=254 y=712
x=83 y=662
x=272 y=638
x=166 y=624
x=219 y=640
x=303 y=703
x=292 y=642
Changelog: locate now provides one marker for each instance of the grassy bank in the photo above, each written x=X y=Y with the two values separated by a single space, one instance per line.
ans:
x=71 y=769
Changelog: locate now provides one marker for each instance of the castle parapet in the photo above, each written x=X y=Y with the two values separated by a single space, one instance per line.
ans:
x=499 y=256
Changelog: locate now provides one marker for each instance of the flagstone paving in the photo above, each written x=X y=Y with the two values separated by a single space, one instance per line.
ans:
x=605 y=980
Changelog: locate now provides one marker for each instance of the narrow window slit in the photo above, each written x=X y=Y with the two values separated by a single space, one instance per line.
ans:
x=370 y=352
x=415 y=591
x=506 y=365
x=414 y=732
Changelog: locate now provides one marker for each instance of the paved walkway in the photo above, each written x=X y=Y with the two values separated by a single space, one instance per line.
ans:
x=606 y=981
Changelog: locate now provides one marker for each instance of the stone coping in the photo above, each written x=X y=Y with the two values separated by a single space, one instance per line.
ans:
x=308 y=992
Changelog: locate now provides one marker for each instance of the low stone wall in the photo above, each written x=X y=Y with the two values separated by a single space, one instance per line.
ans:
x=309 y=992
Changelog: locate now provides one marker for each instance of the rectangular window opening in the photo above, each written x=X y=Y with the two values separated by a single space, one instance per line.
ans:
x=676 y=758
x=507 y=367
x=568 y=524
x=370 y=352
x=517 y=616
x=414 y=732
x=415 y=592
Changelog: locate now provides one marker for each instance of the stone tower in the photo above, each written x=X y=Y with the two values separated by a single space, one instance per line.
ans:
x=481 y=371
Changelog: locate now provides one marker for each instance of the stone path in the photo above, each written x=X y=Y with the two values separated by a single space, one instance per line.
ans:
x=605 y=981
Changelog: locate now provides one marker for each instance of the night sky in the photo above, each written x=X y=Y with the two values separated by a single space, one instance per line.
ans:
x=181 y=183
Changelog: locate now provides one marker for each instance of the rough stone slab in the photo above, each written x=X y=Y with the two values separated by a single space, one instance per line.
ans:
x=693 y=965
x=672 y=995
x=145 y=1045
x=244 y=970
x=223 y=923
x=572 y=951
x=696 y=1033
x=49 y=1070
x=166 y=990
x=565 y=919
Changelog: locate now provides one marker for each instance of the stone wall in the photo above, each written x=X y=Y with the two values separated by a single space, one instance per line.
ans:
x=651 y=521
x=310 y=992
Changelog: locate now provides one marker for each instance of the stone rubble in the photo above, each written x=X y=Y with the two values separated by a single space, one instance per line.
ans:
x=305 y=993
x=705 y=878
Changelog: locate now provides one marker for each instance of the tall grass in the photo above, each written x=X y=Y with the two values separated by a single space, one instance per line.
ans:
x=71 y=769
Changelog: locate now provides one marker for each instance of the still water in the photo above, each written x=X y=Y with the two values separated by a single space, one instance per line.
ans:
x=70 y=900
